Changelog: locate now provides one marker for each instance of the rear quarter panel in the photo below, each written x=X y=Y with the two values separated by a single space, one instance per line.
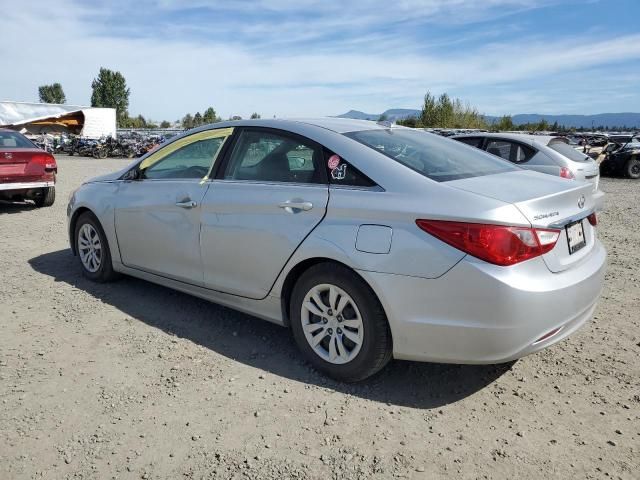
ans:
x=412 y=252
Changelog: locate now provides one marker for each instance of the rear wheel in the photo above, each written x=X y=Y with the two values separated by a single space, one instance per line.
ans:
x=339 y=324
x=632 y=168
x=46 y=197
x=93 y=249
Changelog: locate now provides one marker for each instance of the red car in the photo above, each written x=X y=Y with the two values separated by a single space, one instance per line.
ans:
x=26 y=172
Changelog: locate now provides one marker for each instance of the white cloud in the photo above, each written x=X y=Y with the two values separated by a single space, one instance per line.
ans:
x=46 y=42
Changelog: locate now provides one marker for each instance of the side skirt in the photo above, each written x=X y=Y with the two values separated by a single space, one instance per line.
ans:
x=268 y=308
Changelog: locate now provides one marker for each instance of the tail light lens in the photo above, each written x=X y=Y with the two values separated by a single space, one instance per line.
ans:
x=497 y=244
x=593 y=219
x=46 y=160
x=566 y=173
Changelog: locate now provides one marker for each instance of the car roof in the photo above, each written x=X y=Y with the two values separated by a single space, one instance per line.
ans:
x=523 y=137
x=334 y=124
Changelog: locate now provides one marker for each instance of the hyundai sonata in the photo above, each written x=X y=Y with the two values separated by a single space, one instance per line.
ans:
x=369 y=241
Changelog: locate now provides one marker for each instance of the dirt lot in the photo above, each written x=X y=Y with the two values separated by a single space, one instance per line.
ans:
x=132 y=380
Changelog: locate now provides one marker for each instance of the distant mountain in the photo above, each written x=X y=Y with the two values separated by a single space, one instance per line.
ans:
x=629 y=120
x=393 y=114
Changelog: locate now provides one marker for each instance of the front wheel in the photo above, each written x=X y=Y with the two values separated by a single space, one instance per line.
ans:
x=339 y=324
x=632 y=168
x=93 y=249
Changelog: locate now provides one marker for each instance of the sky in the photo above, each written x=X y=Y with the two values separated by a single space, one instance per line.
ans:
x=319 y=57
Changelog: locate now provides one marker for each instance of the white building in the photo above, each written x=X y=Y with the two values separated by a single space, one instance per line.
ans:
x=36 y=118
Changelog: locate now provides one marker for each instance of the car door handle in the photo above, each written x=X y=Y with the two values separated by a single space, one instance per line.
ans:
x=292 y=205
x=186 y=204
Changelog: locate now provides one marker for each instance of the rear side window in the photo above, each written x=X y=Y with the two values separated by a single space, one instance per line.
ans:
x=440 y=159
x=473 y=141
x=513 y=151
x=14 y=140
x=499 y=148
x=260 y=155
x=569 y=152
x=340 y=172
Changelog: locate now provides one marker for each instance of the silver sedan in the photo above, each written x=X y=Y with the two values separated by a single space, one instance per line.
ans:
x=368 y=241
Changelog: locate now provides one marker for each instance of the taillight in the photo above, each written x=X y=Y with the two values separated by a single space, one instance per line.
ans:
x=593 y=219
x=46 y=160
x=497 y=244
x=566 y=173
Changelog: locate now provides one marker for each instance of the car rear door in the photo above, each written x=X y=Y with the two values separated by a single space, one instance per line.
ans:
x=157 y=215
x=269 y=195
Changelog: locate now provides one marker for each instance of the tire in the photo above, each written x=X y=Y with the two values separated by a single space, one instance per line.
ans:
x=632 y=168
x=104 y=271
x=374 y=349
x=100 y=153
x=46 y=198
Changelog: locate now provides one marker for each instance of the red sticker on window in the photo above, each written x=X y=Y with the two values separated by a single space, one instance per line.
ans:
x=334 y=161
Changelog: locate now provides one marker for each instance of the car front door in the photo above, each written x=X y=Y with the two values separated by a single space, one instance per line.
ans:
x=270 y=194
x=157 y=215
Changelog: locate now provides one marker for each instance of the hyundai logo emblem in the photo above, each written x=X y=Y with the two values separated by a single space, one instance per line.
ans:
x=581 y=201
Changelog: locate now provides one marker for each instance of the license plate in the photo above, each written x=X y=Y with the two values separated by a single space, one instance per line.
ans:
x=575 y=236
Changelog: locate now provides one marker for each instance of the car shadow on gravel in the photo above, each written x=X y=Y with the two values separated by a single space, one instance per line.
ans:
x=266 y=346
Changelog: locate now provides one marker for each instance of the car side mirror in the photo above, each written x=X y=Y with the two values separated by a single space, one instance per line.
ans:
x=133 y=174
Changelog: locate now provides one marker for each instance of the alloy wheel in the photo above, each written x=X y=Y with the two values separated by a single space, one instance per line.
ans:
x=332 y=324
x=89 y=248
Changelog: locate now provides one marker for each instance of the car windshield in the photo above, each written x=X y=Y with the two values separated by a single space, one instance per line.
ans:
x=435 y=157
x=14 y=140
x=568 y=151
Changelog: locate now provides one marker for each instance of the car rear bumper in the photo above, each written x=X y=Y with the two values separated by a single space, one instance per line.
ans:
x=25 y=185
x=482 y=313
x=598 y=199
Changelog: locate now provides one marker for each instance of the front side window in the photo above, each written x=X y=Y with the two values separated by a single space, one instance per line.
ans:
x=187 y=157
x=191 y=161
x=440 y=159
x=261 y=155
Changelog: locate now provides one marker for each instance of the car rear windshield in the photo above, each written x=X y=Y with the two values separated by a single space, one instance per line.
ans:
x=435 y=157
x=568 y=151
x=14 y=140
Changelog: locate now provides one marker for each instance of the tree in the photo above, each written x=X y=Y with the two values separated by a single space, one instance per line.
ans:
x=428 y=114
x=164 y=124
x=187 y=121
x=197 y=119
x=235 y=117
x=210 y=116
x=51 y=93
x=110 y=90
x=411 y=122
x=505 y=124
x=445 y=112
x=382 y=118
x=255 y=116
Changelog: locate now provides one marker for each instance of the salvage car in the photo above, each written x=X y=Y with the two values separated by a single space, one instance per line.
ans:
x=26 y=171
x=369 y=241
x=621 y=157
x=541 y=153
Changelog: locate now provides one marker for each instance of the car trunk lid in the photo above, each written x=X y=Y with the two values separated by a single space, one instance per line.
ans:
x=17 y=165
x=546 y=202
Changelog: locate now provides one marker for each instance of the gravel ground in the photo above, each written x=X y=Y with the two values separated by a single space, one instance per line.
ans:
x=132 y=380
